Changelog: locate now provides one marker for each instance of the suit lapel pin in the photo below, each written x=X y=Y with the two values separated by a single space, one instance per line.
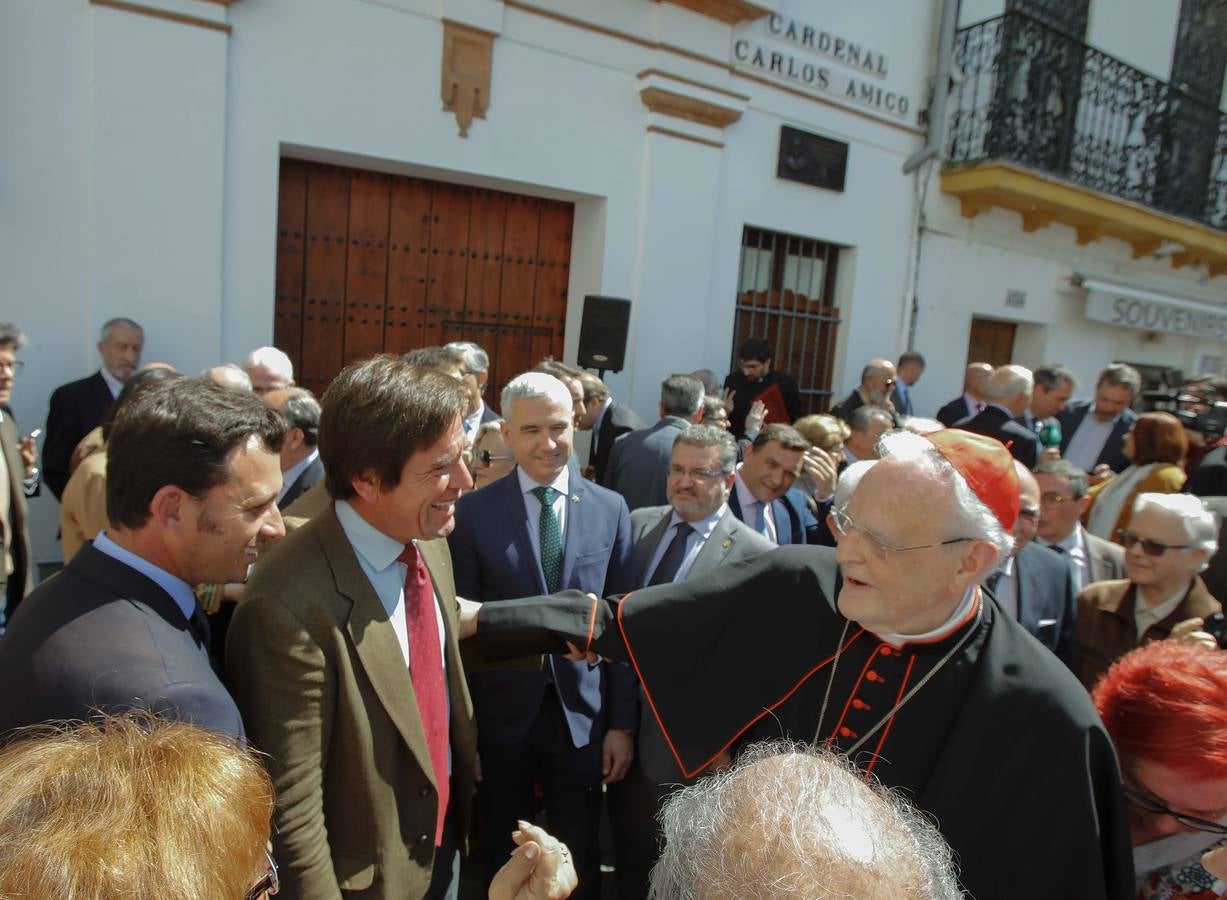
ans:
x=575 y=498
x=728 y=542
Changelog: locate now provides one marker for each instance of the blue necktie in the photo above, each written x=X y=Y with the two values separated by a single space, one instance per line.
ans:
x=760 y=518
x=671 y=561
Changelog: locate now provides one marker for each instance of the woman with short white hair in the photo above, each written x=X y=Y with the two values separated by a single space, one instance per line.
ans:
x=1170 y=539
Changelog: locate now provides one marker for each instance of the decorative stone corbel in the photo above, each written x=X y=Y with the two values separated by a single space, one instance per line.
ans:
x=467 y=56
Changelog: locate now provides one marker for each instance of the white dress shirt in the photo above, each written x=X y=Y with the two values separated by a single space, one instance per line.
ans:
x=749 y=512
x=114 y=385
x=472 y=425
x=695 y=543
x=1078 y=554
x=1006 y=590
x=532 y=506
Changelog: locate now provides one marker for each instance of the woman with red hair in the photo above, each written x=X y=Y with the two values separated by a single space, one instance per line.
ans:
x=1156 y=446
x=1165 y=707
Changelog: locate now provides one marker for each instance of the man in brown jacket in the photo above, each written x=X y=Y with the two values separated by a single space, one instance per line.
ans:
x=1170 y=538
x=343 y=657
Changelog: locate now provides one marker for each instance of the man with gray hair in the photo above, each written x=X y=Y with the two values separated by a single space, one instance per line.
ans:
x=228 y=375
x=1093 y=431
x=1008 y=393
x=787 y=820
x=1063 y=501
x=301 y=466
x=1054 y=383
x=77 y=408
x=694 y=534
x=475 y=374
x=639 y=461
x=887 y=650
x=1169 y=541
x=568 y=725
x=269 y=370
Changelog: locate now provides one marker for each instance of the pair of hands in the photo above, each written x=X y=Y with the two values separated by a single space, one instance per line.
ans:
x=540 y=868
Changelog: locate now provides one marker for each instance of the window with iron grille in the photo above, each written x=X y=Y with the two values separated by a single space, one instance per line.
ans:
x=786 y=295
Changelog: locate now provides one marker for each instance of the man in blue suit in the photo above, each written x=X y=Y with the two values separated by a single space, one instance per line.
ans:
x=763 y=495
x=1093 y=431
x=569 y=725
x=638 y=466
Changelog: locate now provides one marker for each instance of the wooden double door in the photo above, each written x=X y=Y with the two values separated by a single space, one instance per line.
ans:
x=370 y=262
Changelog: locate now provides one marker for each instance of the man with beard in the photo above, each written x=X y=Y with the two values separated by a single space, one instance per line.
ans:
x=877 y=384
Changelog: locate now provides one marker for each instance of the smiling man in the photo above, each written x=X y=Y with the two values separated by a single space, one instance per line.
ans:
x=192 y=480
x=343 y=655
x=887 y=651
x=568 y=725
x=763 y=495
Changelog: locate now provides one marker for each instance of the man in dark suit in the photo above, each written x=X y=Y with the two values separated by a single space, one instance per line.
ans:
x=972 y=401
x=1093 y=431
x=878 y=380
x=1063 y=500
x=1054 y=383
x=756 y=375
x=18 y=480
x=908 y=370
x=343 y=655
x=763 y=495
x=543 y=528
x=693 y=535
x=607 y=420
x=192 y=488
x=639 y=462
x=475 y=374
x=1033 y=585
x=300 y=455
x=77 y=408
x=1008 y=393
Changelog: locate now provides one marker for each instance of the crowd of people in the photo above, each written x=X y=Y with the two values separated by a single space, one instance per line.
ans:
x=367 y=644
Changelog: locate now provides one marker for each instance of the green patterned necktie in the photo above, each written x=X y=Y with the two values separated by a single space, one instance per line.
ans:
x=551 y=538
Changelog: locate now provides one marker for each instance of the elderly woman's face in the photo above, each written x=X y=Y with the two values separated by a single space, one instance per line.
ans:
x=1170 y=567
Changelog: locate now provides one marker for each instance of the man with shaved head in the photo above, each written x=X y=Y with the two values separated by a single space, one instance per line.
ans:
x=877 y=383
x=972 y=401
x=1008 y=393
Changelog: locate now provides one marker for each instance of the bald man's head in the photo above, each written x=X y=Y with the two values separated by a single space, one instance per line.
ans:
x=976 y=379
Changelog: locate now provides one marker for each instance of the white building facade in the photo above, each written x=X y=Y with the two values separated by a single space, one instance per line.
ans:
x=231 y=173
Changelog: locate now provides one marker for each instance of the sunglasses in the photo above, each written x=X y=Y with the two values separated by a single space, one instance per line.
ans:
x=1127 y=539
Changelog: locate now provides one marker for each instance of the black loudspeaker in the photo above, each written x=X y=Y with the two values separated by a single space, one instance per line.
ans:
x=602 y=333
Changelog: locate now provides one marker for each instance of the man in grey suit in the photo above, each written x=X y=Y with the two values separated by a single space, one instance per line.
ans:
x=1063 y=500
x=691 y=536
x=640 y=459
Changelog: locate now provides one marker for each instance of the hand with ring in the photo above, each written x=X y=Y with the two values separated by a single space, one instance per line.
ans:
x=540 y=868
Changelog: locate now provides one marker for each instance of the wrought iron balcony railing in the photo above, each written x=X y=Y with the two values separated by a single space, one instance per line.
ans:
x=1035 y=96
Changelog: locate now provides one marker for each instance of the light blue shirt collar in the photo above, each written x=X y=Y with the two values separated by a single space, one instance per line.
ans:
x=114 y=385
x=180 y=591
x=561 y=482
x=704 y=527
x=379 y=550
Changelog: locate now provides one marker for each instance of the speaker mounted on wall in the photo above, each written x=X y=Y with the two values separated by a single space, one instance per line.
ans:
x=602 y=333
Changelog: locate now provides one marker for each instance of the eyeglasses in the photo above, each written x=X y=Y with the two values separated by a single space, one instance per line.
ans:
x=698 y=475
x=1156 y=806
x=486 y=458
x=13 y=367
x=268 y=884
x=846 y=526
x=1127 y=539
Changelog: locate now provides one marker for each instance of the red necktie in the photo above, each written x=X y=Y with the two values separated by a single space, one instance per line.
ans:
x=426 y=668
